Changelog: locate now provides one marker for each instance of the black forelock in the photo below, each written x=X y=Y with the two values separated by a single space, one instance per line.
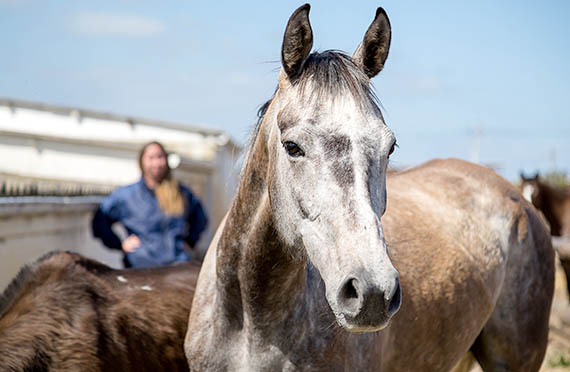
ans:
x=332 y=73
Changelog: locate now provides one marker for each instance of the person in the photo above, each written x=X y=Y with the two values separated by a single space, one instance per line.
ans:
x=163 y=218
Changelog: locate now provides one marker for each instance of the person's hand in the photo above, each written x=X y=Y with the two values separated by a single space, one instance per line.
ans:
x=131 y=243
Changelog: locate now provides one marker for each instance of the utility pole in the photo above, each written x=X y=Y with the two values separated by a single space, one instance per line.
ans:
x=553 y=158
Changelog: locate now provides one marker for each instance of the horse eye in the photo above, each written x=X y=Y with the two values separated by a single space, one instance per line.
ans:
x=293 y=149
x=392 y=148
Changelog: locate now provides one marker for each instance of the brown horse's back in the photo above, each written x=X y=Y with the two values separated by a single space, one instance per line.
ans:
x=70 y=313
x=476 y=266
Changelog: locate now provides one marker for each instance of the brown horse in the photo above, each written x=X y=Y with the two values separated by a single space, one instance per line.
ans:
x=554 y=203
x=298 y=276
x=69 y=313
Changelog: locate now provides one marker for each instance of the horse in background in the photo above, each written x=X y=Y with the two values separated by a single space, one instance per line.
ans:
x=554 y=203
x=66 y=312
x=304 y=272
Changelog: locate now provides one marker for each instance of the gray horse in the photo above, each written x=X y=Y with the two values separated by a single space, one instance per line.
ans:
x=298 y=276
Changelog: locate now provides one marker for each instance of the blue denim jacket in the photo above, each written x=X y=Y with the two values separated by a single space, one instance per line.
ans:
x=162 y=237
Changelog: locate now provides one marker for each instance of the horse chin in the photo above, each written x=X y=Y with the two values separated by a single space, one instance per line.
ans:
x=357 y=328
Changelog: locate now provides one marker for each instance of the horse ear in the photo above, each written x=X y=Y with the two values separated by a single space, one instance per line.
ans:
x=373 y=51
x=297 y=42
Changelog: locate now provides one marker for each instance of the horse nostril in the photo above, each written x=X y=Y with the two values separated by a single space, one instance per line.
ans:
x=349 y=295
x=350 y=290
x=396 y=299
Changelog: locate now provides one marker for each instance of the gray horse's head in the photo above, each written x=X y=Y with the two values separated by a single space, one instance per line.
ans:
x=328 y=150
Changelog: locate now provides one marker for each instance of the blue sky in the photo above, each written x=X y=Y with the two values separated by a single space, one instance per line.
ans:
x=455 y=68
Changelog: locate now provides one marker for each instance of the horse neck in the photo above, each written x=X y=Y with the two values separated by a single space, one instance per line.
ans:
x=258 y=277
x=554 y=203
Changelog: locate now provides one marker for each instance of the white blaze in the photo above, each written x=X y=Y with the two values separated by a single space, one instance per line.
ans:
x=527 y=192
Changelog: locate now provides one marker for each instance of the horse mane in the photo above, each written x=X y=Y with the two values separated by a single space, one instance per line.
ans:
x=331 y=74
x=252 y=137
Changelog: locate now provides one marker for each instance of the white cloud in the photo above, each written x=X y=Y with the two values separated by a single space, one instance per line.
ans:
x=108 y=24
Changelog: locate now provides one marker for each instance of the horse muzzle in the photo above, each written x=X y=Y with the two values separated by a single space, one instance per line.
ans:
x=365 y=305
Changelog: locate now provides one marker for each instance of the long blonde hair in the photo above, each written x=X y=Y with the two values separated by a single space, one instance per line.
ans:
x=170 y=199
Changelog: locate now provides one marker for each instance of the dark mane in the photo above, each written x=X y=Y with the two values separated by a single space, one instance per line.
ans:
x=333 y=73
x=19 y=282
